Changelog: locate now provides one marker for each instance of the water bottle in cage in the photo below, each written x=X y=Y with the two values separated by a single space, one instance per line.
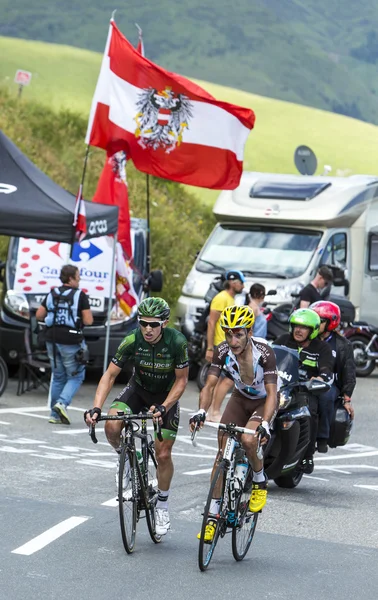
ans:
x=140 y=460
x=241 y=473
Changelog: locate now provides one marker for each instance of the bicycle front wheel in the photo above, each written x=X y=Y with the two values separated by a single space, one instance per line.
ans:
x=217 y=487
x=151 y=495
x=127 y=502
x=244 y=527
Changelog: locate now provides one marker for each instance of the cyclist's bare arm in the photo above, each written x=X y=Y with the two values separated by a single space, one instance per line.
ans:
x=103 y=389
x=177 y=390
x=270 y=407
x=206 y=395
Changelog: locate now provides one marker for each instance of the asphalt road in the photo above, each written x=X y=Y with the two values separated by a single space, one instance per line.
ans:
x=60 y=536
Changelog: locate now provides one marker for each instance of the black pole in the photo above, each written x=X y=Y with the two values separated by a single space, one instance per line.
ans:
x=82 y=186
x=148 y=225
x=84 y=168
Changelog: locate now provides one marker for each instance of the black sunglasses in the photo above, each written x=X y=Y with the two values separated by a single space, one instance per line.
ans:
x=152 y=324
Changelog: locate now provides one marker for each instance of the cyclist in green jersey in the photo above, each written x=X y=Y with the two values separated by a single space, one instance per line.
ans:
x=159 y=356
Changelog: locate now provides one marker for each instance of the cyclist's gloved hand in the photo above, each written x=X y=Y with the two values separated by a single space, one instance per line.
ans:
x=91 y=416
x=197 y=419
x=264 y=431
x=159 y=410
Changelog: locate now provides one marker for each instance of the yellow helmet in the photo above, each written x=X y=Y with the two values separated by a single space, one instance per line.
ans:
x=236 y=317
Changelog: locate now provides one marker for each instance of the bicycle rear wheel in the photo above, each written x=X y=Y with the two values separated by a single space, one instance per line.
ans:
x=206 y=550
x=245 y=525
x=127 y=502
x=151 y=494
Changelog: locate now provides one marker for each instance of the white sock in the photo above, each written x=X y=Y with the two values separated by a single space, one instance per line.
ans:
x=214 y=506
x=162 y=501
x=259 y=476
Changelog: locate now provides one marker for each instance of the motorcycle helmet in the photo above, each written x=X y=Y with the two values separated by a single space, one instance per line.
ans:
x=328 y=311
x=341 y=426
x=237 y=317
x=154 y=307
x=306 y=318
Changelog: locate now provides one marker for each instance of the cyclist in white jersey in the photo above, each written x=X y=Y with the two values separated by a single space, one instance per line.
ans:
x=251 y=364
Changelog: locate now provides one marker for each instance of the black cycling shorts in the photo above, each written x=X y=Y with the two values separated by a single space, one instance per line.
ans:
x=134 y=398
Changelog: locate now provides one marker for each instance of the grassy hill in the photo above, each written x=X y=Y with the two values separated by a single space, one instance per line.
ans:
x=312 y=52
x=65 y=77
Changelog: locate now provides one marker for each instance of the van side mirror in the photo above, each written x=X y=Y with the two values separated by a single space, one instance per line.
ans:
x=338 y=275
x=271 y=293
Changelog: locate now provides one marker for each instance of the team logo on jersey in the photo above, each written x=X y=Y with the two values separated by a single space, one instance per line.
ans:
x=162 y=118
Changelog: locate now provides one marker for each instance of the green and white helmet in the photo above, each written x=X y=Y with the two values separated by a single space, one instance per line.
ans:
x=306 y=317
x=154 y=307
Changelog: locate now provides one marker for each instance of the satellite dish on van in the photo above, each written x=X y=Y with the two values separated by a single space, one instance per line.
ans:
x=305 y=160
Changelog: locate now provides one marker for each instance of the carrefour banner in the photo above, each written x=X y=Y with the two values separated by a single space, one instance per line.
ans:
x=39 y=263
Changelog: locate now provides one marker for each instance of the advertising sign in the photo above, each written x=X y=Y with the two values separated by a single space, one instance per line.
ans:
x=39 y=263
x=22 y=77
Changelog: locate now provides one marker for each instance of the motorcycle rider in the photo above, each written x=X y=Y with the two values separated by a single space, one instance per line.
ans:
x=315 y=362
x=345 y=368
x=251 y=364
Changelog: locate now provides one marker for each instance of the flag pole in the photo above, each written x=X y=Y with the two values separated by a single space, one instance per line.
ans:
x=112 y=282
x=148 y=225
x=81 y=195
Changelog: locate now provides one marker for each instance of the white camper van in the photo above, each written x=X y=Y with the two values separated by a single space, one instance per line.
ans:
x=278 y=229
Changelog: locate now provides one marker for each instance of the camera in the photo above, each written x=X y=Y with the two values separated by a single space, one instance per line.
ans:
x=82 y=356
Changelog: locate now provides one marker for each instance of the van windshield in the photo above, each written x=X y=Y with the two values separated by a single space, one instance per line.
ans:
x=270 y=252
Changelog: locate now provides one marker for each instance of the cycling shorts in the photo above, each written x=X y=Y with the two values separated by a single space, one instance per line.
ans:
x=134 y=398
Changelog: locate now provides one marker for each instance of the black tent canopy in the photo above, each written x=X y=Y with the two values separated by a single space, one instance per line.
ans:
x=32 y=205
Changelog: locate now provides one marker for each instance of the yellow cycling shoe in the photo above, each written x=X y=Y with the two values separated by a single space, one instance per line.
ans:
x=258 y=497
x=210 y=528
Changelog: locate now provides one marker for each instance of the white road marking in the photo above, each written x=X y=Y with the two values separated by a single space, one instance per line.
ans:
x=367 y=487
x=29 y=414
x=348 y=456
x=113 y=502
x=198 y=472
x=12 y=450
x=358 y=448
x=4 y=423
x=49 y=536
x=187 y=440
x=313 y=477
x=21 y=409
x=335 y=469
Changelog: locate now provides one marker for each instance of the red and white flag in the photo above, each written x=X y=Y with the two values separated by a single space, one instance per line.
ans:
x=169 y=126
x=80 y=217
x=112 y=189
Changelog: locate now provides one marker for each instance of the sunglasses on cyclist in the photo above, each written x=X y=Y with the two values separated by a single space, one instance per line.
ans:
x=152 y=324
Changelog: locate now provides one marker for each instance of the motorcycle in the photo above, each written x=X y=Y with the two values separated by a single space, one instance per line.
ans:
x=291 y=430
x=364 y=339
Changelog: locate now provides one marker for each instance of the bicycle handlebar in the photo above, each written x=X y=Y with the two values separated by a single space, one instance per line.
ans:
x=229 y=428
x=126 y=417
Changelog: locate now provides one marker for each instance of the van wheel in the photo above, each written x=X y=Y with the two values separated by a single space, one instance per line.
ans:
x=364 y=365
x=289 y=481
x=3 y=376
x=202 y=375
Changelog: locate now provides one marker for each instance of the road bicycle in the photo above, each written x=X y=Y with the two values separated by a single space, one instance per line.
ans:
x=137 y=480
x=234 y=515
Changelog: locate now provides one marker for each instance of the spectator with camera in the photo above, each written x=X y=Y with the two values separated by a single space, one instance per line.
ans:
x=65 y=310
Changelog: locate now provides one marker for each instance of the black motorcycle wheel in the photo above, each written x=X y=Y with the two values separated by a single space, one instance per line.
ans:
x=289 y=481
x=202 y=375
x=3 y=376
x=364 y=365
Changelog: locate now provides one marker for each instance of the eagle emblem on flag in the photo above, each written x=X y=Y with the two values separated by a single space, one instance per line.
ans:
x=162 y=118
x=118 y=164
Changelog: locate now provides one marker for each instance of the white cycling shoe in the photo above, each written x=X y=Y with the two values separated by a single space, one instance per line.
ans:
x=163 y=523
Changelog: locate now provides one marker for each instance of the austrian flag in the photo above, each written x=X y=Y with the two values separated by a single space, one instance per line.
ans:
x=168 y=125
